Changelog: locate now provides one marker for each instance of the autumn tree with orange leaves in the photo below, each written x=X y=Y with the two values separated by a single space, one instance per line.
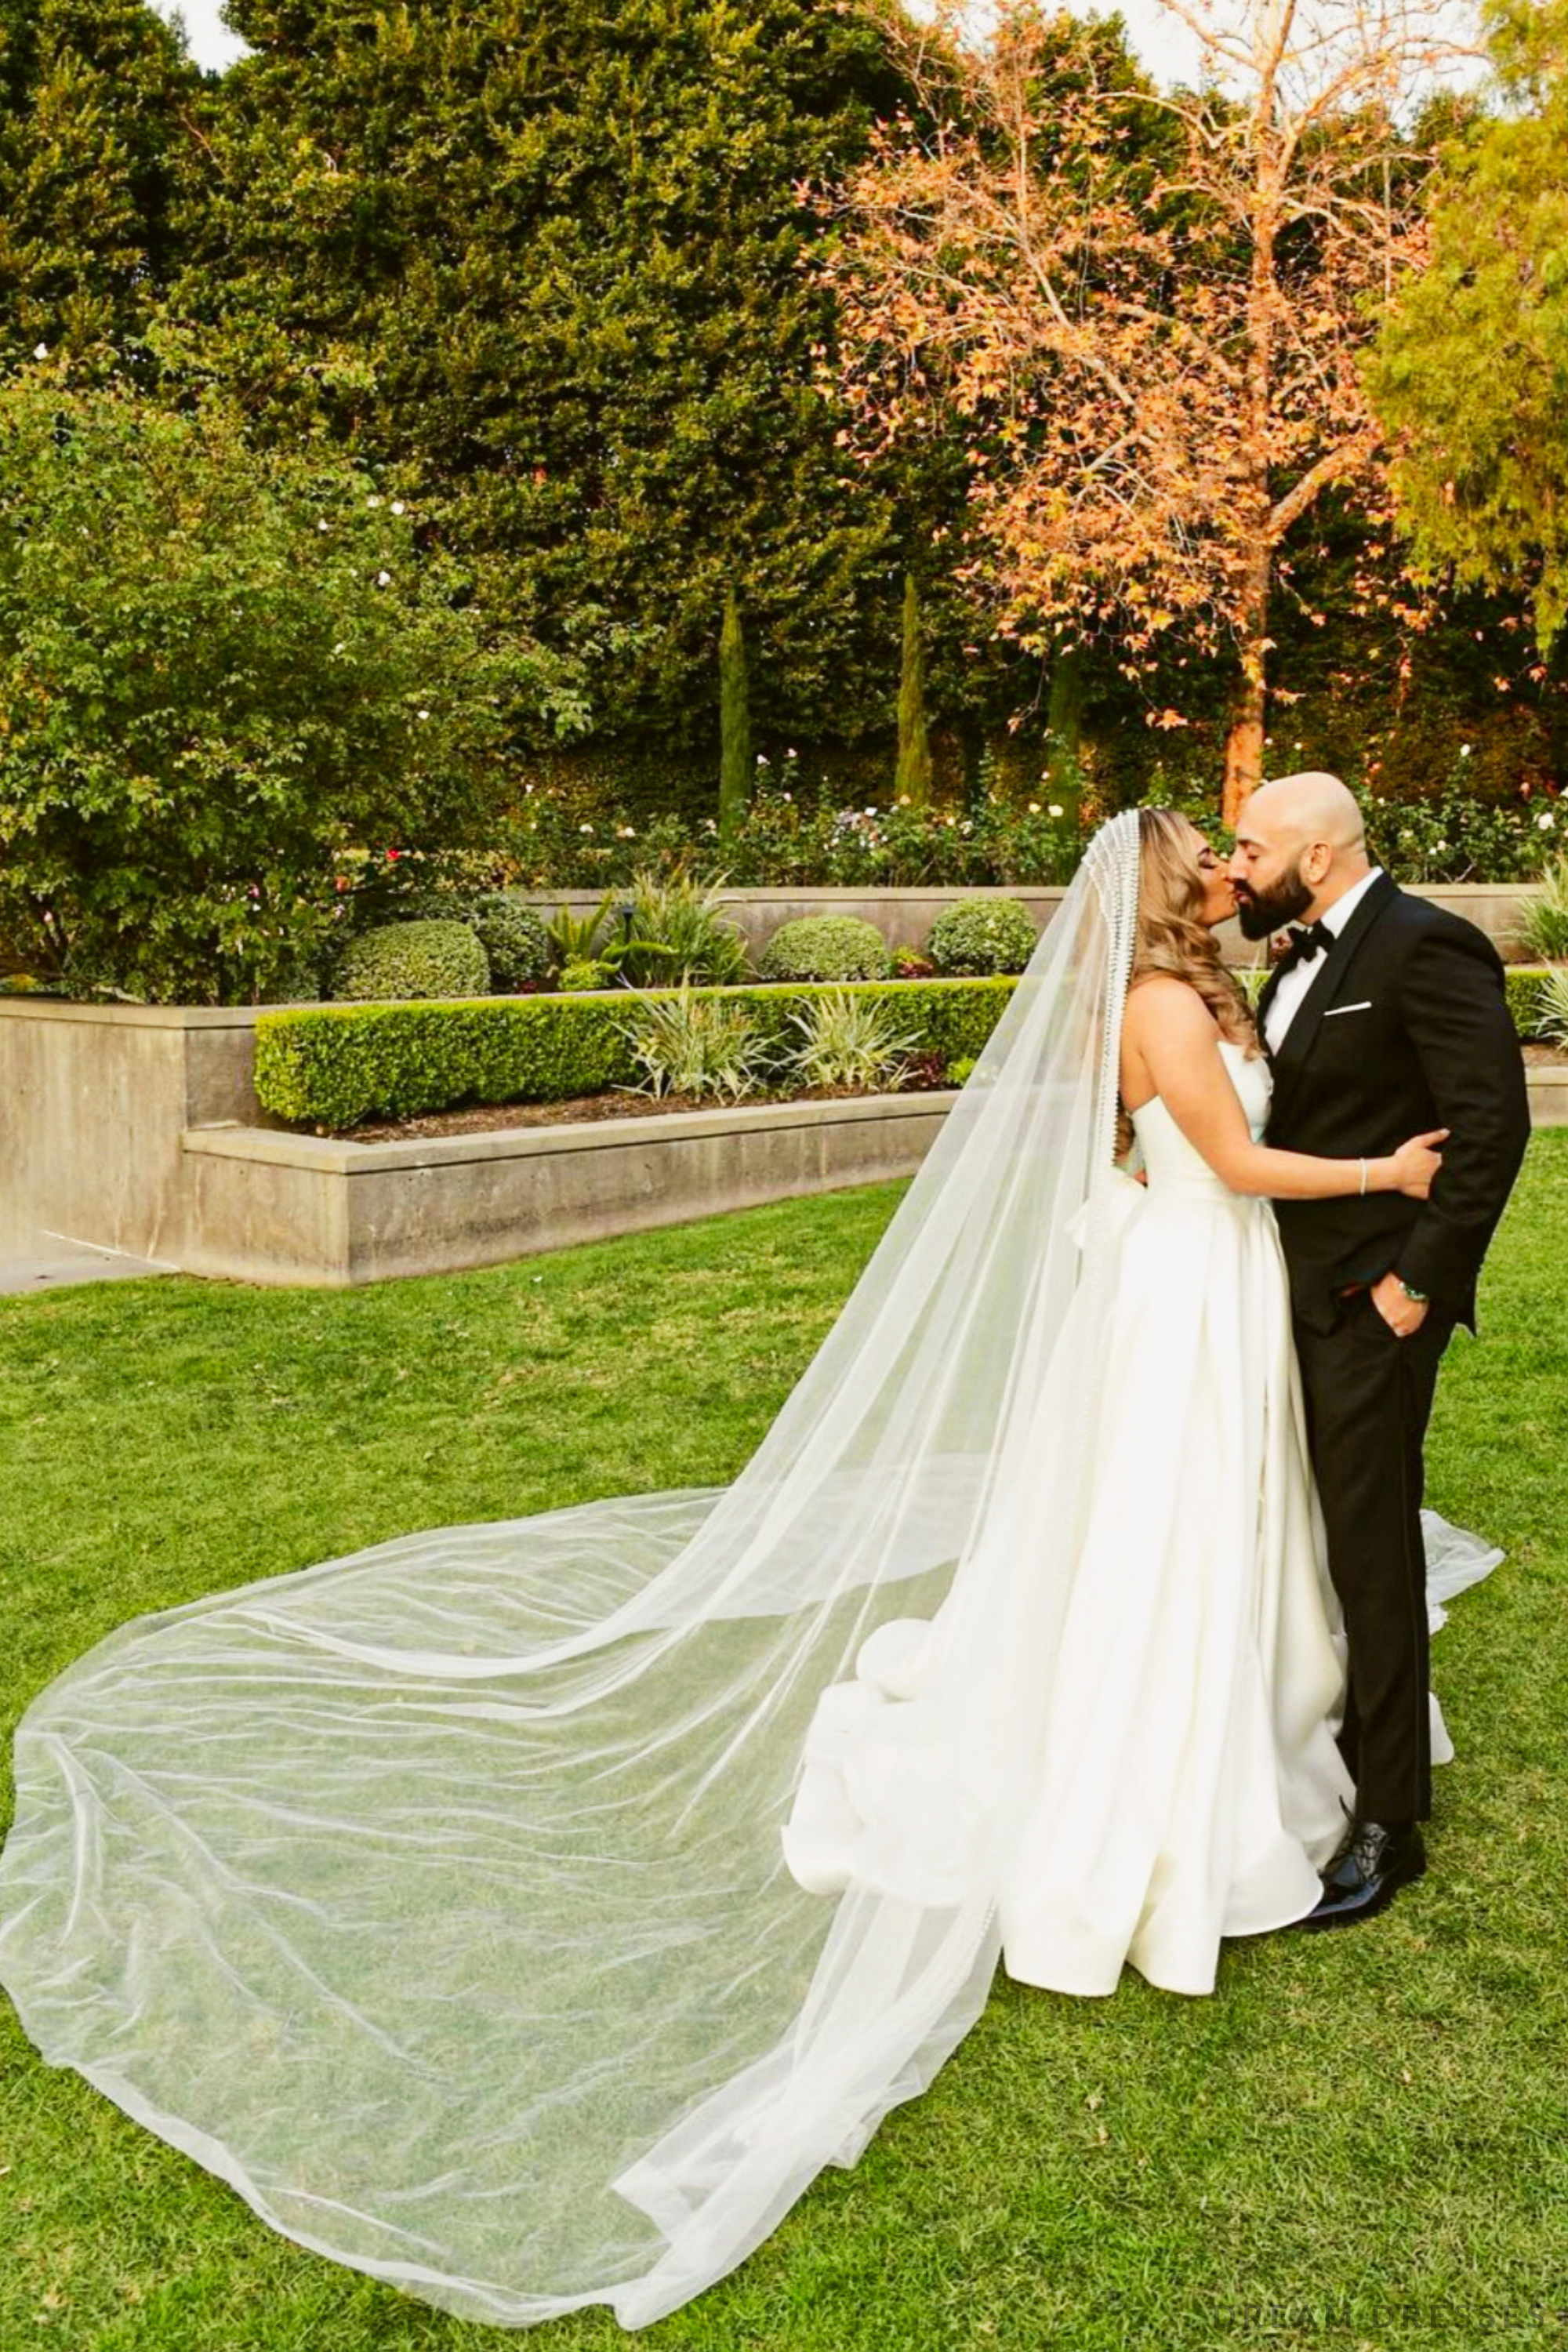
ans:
x=1149 y=309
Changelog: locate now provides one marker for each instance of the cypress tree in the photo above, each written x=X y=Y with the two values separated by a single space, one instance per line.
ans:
x=1064 y=724
x=913 y=779
x=734 y=722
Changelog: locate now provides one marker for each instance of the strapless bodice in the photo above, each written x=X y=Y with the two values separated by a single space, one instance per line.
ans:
x=1173 y=1166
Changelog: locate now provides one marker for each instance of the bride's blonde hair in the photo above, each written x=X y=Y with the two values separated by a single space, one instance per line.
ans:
x=1171 y=936
x=1172 y=939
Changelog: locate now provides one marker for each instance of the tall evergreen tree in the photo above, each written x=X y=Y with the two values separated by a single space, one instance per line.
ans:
x=734 y=722
x=548 y=263
x=97 y=108
x=913 y=780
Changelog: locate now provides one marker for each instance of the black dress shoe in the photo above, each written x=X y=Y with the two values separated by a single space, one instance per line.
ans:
x=1371 y=1865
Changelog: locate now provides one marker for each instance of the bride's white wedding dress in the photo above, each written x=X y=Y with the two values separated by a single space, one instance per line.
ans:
x=1180 y=1782
x=468 y=1905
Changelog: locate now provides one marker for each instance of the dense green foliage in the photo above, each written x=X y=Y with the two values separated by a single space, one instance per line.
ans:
x=332 y=1066
x=516 y=940
x=551 y=281
x=826 y=946
x=95 y=108
x=1357 y=2142
x=400 y=960
x=547 y=265
x=516 y=943
x=218 y=673
x=982 y=935
x=1474 y=360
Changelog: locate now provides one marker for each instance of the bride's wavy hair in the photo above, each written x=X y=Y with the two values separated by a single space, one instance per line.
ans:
x=1171 y=938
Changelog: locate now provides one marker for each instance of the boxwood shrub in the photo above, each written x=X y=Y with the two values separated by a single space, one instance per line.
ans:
x=1526 y=984
x=982 y=935
x=403 y=959
x=827 y=946
x=332 y=1065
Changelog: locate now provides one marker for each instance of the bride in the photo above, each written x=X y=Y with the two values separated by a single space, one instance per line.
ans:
x=525 y=1913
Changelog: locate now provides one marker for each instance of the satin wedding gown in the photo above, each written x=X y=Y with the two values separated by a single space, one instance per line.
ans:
x=1180 y=1782
x=525 y=1913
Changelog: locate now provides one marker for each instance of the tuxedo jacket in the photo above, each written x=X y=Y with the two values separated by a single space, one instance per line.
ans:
x=1404 y=1027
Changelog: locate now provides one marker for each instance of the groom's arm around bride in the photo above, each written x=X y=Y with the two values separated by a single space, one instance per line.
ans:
x=1389 y=1016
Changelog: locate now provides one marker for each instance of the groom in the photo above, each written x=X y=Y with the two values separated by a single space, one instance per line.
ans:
x=1386 y=1018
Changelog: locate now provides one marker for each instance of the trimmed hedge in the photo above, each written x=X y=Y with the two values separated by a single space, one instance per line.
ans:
x=332 y=1065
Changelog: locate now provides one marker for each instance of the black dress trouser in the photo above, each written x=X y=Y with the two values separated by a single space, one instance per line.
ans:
x=1369 y=1397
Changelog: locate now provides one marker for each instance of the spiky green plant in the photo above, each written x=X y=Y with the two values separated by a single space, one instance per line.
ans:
x=697 y=1046
x=1554 y=1009
x=680 y=932
x=1544 y=933
x=849 y=1041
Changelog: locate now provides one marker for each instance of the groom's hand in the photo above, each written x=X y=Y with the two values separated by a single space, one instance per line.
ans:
x=1402 y=1315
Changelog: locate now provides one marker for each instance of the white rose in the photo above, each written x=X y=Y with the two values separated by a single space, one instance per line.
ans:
x=1056 y=809
x=40 y=351
x=397 y=506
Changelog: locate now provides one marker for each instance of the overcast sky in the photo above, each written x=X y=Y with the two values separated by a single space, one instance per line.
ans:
x=1158 y=41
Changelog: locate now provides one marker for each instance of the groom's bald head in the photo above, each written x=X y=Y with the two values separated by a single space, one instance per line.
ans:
x=1311 y=807
x=1300 y=844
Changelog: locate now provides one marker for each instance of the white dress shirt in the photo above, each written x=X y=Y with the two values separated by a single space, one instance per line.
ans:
x=1288 y=996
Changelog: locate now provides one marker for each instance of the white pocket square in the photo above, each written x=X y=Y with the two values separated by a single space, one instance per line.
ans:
x=1364 y=1007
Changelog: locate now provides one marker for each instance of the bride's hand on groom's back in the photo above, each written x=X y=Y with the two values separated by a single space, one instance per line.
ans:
x=1416 y=1165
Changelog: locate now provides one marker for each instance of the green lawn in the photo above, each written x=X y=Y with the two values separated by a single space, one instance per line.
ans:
x=1362 y=2142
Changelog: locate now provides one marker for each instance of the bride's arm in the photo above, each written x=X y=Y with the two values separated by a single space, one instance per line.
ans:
x=1171 y=1048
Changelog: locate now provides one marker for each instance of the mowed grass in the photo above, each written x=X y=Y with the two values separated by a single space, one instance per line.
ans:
x=1360 y=2146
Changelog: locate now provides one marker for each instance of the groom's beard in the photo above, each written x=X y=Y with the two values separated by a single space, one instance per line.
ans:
x=1259 y=912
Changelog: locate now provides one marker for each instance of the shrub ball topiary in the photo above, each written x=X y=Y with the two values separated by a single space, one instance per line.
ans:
x=400 y=960
x=513 y=937
x=981 y=935
x=827 y=946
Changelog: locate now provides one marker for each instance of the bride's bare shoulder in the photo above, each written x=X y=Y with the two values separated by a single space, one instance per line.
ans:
x=1160 y=1004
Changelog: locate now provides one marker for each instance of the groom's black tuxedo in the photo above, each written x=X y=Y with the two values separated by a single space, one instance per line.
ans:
x=1404 y=1027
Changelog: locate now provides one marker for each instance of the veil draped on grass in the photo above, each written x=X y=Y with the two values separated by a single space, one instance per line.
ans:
x=436 y=1897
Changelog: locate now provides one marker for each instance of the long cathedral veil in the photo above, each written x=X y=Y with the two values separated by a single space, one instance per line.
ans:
x=437 y=1898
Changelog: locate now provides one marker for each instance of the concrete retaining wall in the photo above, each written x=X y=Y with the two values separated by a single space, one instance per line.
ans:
x=137 y=1129
x=272 y=1208
x=905 y=917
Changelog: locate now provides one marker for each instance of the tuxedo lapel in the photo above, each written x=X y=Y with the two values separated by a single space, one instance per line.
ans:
x=1296 y=1048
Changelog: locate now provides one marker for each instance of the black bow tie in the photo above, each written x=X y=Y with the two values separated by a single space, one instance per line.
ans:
x=1314 y=940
